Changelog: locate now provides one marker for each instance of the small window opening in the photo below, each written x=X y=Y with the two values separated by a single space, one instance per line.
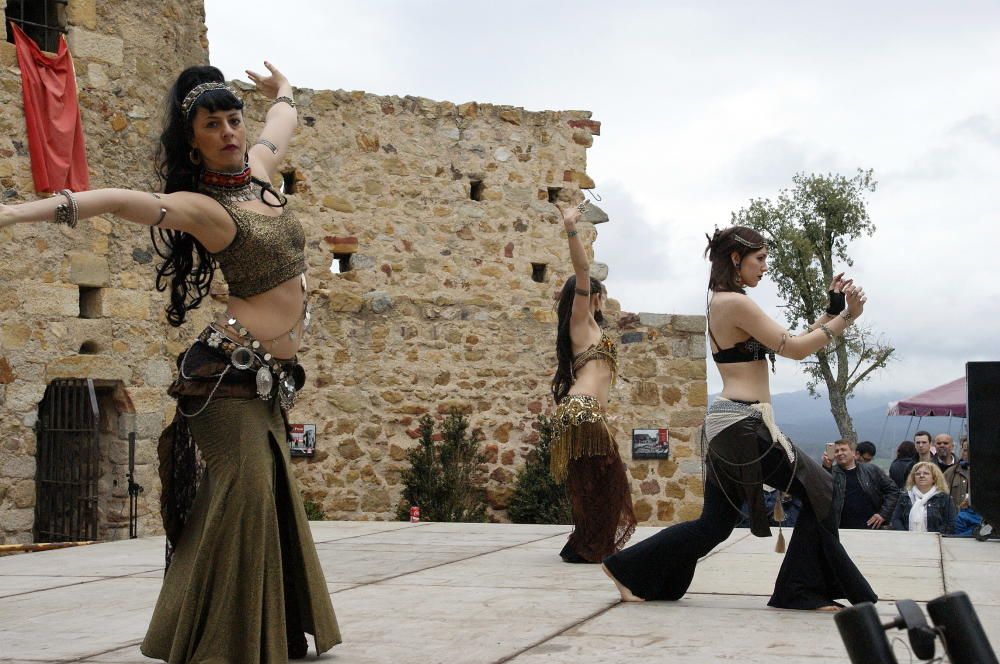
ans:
x=42 y=20
x=90 y=302
x=554 y=194
x=538 y=271
x=90 y=347
x=341 y=263
x=476 y=190
x=288 y=182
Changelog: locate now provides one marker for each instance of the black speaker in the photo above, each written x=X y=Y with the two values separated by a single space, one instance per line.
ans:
x=963 y=634
x=983 y=402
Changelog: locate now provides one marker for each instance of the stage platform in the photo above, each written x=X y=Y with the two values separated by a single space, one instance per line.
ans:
x=491 y=593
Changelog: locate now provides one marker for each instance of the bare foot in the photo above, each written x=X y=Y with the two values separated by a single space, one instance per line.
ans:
x=832 y=608
x=626 y=594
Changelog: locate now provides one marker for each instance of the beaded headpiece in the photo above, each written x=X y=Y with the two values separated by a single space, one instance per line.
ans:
x=198 y=91
x=747 y=243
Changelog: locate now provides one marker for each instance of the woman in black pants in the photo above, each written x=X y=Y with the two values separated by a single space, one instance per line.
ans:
x=747 y=450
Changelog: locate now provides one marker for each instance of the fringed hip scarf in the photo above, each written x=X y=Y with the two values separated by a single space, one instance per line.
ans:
x=579 y=429
x=734 y=461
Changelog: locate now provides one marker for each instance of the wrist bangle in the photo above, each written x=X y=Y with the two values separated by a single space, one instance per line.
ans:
x=572 y=233
x=847 y=316
x=286 y=99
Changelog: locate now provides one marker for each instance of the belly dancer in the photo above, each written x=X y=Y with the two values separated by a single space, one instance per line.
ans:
x=747 y=450
x=584 y=454
x=243 y=581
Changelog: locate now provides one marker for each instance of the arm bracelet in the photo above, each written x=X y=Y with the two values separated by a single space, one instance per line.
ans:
x=67 y=213
x=268 y=144
x=572 y=233
x=826 y=331
x=283 y=98
x=847 y=316
x=580 y=291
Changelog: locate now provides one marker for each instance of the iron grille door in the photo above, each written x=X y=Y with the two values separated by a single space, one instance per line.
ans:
x=68 y=462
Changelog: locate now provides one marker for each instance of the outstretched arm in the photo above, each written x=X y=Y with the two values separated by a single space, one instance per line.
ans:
x=181 y=211
x=282 y=118
x=751 y=319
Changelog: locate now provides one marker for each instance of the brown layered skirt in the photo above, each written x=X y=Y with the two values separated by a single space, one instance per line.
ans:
x=243 y=574
x=585 y=456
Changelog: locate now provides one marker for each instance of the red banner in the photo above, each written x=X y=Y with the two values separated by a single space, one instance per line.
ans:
x=52 y=115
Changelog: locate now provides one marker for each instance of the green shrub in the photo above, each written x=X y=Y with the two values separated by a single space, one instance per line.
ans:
x=537 y=497
x=444 y=478
x=313 y=511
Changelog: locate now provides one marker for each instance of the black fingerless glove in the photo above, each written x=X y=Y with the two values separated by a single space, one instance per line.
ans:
x=838 y=302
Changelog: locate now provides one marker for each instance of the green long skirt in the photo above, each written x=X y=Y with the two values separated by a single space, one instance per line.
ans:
x=246 y=558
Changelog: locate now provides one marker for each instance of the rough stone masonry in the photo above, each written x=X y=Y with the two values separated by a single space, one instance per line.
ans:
x=434 y=254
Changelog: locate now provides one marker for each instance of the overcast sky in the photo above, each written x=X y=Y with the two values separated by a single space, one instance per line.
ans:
x=704 y=105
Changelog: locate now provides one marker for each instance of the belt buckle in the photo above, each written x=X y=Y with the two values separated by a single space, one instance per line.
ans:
x=242 y=358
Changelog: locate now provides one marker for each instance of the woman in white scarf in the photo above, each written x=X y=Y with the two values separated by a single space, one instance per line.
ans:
x=925 y=505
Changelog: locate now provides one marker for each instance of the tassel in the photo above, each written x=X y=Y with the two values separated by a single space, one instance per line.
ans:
x=779 y=510
x=780 y=546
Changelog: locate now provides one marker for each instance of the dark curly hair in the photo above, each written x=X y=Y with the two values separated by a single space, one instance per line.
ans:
x=563 y=380
x=187 y=267
x=721 y=245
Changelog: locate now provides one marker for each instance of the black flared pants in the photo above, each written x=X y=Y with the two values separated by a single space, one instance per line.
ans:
x=816 y=569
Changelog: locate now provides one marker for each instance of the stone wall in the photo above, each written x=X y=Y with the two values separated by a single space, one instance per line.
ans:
x=440 y=216
x=91 y=288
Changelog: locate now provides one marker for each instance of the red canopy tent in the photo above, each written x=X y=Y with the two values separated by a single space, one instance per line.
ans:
x=943 y=400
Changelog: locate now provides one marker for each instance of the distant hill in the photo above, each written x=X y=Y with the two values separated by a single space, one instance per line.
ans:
x=809 y=423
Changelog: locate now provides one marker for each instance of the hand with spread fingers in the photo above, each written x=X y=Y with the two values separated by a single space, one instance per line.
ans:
x=855 y=300
x=269 y=86
x=572 y=210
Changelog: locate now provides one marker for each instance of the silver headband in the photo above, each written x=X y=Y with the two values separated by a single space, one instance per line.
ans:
x=198 y=91
x=747 y=243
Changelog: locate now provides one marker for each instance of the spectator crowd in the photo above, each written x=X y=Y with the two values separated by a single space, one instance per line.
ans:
x=925 y=490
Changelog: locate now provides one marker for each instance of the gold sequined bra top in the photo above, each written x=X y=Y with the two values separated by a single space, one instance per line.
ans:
x=266 y=251
x=606 y=350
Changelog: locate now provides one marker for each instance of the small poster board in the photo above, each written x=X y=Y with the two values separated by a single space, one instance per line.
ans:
x=651 y=443
x=303 y=439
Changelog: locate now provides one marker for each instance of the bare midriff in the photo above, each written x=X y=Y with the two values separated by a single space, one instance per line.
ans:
x=270 y=315
x=746 y=381
x=594 y=379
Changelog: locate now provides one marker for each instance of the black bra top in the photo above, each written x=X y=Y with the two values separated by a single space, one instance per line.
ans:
x=749 y=350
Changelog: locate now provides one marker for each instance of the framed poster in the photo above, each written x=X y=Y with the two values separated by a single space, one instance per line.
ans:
x=303 y=439
x=651 y=443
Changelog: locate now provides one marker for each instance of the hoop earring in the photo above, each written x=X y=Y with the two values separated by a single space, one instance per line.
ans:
x=194 y=156
x=739 y=277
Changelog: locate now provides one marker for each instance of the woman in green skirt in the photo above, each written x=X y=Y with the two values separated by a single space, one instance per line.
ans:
x=243 y=581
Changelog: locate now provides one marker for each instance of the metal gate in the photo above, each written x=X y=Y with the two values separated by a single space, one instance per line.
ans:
x=68 y=462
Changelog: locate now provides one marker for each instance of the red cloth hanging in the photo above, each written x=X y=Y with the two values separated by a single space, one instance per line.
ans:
x=52 y=115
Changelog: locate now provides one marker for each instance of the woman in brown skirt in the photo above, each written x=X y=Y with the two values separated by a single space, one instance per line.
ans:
x=243 y=582
x=584 y=454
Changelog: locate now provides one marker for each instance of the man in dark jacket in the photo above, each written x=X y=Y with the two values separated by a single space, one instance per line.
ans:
x=863 y=495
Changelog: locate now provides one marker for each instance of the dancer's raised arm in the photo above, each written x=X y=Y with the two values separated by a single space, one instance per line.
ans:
x=581 y=317
x=266 y=154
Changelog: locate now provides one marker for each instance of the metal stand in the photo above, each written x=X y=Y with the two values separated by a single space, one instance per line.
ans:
x=133 y=490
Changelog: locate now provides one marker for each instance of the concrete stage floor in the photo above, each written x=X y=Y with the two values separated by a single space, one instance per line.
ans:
x=490 y=593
